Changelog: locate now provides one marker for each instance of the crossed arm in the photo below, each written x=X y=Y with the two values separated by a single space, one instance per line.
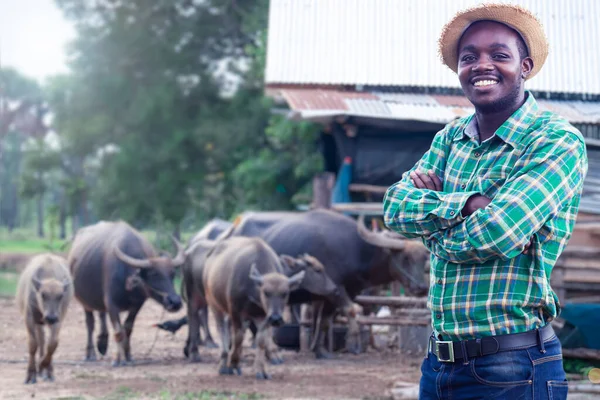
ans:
x=477 y=229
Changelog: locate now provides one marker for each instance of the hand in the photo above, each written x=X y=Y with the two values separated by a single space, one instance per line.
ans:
x=427 y=180
x=474 y=203
x=527 y=246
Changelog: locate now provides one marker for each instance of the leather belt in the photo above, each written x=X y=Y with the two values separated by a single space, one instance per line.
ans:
x=448 y=351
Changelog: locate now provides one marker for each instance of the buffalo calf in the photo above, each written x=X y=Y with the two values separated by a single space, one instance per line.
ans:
x=44 y=292
x=243 y=281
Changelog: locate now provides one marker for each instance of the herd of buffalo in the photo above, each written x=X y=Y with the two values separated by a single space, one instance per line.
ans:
x=245 y=273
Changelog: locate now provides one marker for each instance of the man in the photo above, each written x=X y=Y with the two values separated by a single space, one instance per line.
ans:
x=495 y=200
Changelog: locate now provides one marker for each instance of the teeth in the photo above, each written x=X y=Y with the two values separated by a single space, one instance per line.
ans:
x=485 y=83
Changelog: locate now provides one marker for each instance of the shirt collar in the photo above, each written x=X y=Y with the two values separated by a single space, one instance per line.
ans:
x=512 y=130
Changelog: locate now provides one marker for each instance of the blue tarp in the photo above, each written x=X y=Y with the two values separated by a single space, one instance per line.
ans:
x=341 y=190
x=586 y=318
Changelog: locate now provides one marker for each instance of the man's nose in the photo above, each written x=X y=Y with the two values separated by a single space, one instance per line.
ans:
x=483 y=64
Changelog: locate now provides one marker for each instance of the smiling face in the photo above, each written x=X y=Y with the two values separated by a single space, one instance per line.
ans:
x=491 y=69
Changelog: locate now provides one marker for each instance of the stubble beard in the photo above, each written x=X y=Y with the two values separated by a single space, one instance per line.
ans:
x=503 y=103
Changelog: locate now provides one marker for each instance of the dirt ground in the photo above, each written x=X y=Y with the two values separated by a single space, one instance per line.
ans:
x=161 y=372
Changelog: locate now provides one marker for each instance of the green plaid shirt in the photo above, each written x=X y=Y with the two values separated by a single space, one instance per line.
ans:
x=481 y=283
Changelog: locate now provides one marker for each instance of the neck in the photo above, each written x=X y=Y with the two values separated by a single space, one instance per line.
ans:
x=489 y=121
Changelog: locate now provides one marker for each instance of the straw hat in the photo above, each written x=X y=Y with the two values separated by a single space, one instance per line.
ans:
x=515 y=17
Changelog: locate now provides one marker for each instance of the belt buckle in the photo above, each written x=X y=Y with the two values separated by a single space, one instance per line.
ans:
x=450 y=350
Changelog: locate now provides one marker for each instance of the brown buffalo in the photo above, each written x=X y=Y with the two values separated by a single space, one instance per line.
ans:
x=116 y=269
x=243 y=281
x=43 y=295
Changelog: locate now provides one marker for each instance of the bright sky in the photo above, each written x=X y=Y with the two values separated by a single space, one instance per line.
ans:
x=33 y=36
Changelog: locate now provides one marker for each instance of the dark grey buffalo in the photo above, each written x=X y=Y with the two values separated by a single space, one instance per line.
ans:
x=116 y=269
x=243 y=281
x=210 y=231
x=354 y=257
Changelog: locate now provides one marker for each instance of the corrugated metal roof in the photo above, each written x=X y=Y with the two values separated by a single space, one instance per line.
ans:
x=394 y=42
x=320 y=103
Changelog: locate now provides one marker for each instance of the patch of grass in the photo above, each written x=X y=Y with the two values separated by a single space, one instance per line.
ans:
x=122 y=393
x=579 y=366
x=209 y=395
x=30 y=245
x=8 y=284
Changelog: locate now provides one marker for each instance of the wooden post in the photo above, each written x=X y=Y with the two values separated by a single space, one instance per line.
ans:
x=305 y=336
x=322 y=186
x=558 y=279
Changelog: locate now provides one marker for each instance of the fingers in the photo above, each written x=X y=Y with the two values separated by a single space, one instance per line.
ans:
x=528 y=246
x=428 y=180
x=436 y=181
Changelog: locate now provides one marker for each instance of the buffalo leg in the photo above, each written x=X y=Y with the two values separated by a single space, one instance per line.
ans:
x=237 y=337
x=261 y=349
x=120 y=336
x=321 y=316
x=33 y=345
x=39 y=337
x=90 y=353
x=46 y=363
x=351 y=311
x=208 y=339
x=271 y=349
x=128 y=325
x=223 y=329
x=193 y=330
x=102 y=339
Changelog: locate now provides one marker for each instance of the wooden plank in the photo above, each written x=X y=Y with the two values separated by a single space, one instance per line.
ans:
x=581 y=352
x=584 y=276
x=382 y=321
x=581 y=252
x=361 y=187
x=359 y=208
x=392 y=301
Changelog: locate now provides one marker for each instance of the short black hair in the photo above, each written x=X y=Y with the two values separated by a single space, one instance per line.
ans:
x=522 y=47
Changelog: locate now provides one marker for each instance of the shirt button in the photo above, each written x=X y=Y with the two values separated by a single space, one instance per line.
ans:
x=463 y=186
x=438 y=316
x=439 y=281
x=477 y=155
x=451 y=212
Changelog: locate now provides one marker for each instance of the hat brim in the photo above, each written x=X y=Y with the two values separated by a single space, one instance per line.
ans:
x=515 y=17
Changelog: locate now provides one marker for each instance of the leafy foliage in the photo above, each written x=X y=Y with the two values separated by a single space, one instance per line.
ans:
x=163 y=118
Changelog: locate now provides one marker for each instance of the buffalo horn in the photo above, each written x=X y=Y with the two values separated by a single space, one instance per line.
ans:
x=378 y=239
x=134 y=262
x=180 y=257
x=200 y=242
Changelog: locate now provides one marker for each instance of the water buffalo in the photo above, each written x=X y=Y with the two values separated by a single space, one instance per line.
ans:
x=243 y=281
x=354 y=257
x=315 y=282
x=44 y=292
x=210 y=231
x=116 y=269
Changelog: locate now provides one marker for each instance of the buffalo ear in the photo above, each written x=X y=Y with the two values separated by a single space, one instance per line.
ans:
x=288 y=260
x=37 y=284
x=134 y=280
x=295 y=280
x=255 y=275
x=66 y=283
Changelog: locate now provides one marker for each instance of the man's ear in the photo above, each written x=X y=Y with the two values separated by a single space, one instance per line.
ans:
x=526 y=67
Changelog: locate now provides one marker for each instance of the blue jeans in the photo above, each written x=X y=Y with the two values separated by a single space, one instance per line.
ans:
x=515 y=374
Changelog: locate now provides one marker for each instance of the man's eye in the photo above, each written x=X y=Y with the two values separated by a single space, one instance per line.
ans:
x=500 y=55
x=467 y=58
